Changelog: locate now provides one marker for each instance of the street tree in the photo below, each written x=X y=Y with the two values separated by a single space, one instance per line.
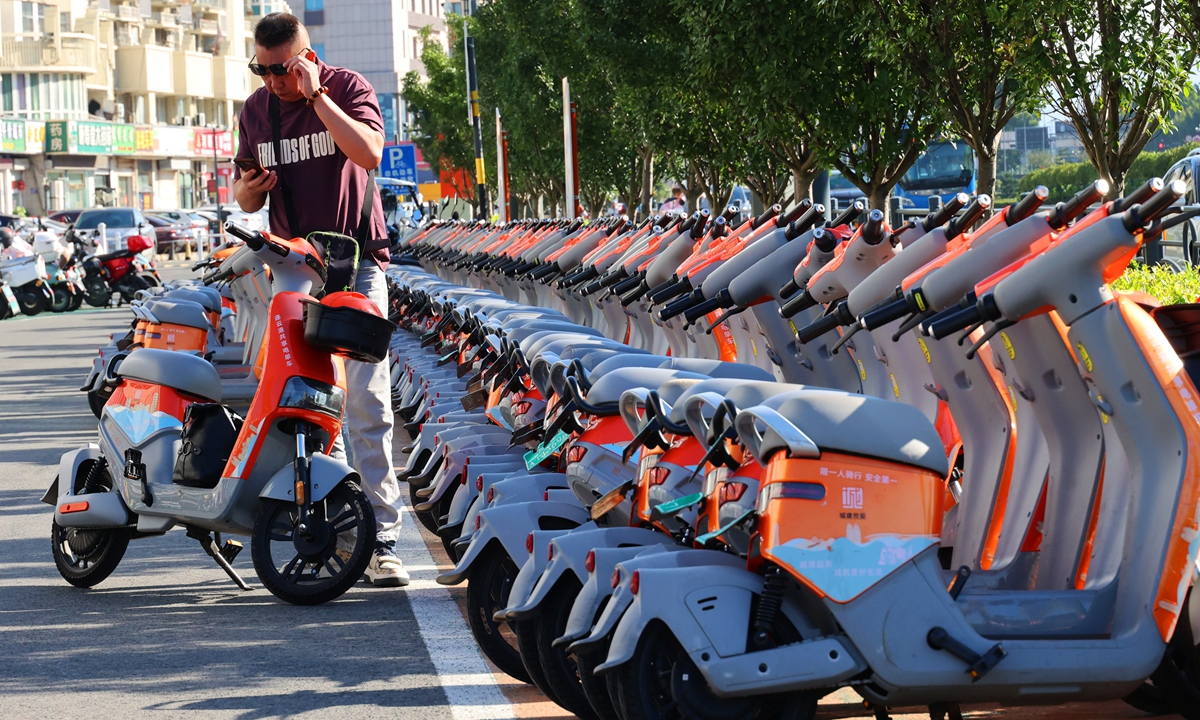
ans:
x=440 y=127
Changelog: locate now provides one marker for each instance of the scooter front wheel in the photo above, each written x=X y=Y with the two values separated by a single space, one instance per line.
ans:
x=322 y=565
x=86 y=557
x=99 y=294
x=488 y=586
x=32 y=303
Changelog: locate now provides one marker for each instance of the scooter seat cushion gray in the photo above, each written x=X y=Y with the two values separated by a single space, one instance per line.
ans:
x=719 y=369
x=179 y=312
x=609 y=388
x=672 y=390
x=867 y=426
x=183 y=372
x=749 y=394
x=210 y=302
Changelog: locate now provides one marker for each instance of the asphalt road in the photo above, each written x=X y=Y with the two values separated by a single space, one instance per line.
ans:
x=168 y=635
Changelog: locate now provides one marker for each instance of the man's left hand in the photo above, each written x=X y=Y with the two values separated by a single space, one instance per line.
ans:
x=306 y=72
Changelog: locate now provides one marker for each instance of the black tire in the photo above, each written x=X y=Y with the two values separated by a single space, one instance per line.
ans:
x=1178 y=676
x=660 y=682
x=313 y=572
x=61 y=302
x=488 y=585
x=526 y=631
x=76 y=301
x=149 y=280
x=1150 y=700
x=32 y=303
x=594 y=687
x=85 y=558
x=99 y=294
x=558 y=667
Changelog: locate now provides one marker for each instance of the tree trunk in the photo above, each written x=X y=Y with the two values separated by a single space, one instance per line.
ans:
x=802 y=185
x=647 y=182
x=877 y=197
x=985 y=180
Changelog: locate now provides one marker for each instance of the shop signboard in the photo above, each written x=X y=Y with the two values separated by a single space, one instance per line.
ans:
x=12 y=135
x=58 y=137
x=124 y=139
x=173 y=142
x=35 y=137
x=143 y=140
x=91 y=138
x=204 y=139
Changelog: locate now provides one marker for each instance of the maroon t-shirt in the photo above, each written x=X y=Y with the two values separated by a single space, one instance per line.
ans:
x=327 y=188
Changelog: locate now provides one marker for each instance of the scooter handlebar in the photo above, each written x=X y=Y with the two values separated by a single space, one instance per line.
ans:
x=951 y=321
x=1026 y=206
x=251 y=238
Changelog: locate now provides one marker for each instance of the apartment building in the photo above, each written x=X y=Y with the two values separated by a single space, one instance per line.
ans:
x=378 y=38
x=118 y=101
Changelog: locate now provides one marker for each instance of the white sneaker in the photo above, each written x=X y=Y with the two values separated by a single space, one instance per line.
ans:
x=385 y=569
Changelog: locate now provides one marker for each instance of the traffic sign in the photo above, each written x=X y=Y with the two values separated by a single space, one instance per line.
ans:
x=399 y=162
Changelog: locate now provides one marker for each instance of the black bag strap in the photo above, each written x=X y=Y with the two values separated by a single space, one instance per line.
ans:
x=288 y=206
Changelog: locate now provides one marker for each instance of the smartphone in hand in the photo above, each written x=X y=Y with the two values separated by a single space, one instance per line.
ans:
x=248 y=165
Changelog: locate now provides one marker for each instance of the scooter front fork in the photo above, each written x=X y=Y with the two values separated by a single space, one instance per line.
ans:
x=303 y=485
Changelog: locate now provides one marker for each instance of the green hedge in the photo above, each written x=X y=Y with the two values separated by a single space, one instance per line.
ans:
x=1162 y=282
x=1065 y=180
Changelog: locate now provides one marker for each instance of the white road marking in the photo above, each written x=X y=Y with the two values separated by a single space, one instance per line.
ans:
x=470 y=687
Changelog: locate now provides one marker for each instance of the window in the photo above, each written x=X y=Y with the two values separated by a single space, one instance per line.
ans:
x=21 y=81
x=35 y=91
x=160 y=110
x=27 y=18
x=310 y=5
x=64 y=22
x=319 y=49
x=6 y=89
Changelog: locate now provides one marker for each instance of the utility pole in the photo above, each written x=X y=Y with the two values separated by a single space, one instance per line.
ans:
x=217 y=188
x=481 y=197
x=570 y=152
x=502 y=190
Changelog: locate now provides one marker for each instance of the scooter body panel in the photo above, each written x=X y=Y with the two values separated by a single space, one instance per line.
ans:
x=511 y=524
x=325 y=474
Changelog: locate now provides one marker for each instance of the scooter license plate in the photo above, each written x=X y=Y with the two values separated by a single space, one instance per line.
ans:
x=11 y=300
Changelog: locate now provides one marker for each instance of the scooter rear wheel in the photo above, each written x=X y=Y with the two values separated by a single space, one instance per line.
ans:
x=85 y=558
x=99 y=294
x=61 y=302
x=32 y=303
x=76 y=301
x=558 y=667
x=488 y=586
x=1178 y=676
x=314 y=570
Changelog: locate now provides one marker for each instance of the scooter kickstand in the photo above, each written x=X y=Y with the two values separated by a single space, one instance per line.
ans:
x=210 y=546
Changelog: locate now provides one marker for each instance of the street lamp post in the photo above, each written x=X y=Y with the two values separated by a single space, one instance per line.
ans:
x=217 y=186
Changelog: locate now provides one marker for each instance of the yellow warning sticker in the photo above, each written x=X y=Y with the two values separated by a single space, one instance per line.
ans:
x=1012 y=352
x=924 y=349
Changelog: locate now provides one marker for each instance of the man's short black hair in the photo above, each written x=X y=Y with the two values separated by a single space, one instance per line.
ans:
x=276 y=29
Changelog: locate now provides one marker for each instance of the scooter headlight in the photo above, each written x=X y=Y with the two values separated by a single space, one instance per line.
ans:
x=313 y=395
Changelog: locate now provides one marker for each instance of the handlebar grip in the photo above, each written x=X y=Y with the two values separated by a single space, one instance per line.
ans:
x=253 y=239
x=872 y=230
x=824 y=240
x=678 y=305
x=730 y=211
x=797 y=304
x=720 y=227
x=851 y=214
x=766 y=216
x=973 y=212
x=1138 y=216
x=699 y=310
x=792 y=215
x=888 y=313
x=1026 y=206
x=951 y=321
x=812 y=216
x=789 y=289
x=1064 y=213
x=948 y=210
x=1138 y=196
x=819 y=327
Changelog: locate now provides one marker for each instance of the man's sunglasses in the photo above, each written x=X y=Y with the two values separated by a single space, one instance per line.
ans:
x=277 y=68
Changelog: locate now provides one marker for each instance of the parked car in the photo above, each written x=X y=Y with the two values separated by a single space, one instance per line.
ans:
x=1180 y=244
x=194 y=225
x=169 y=235
x=65 y=216
x=119 y=223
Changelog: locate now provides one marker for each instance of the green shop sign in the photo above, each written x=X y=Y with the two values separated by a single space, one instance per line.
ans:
x=85 y=137
x=12 y=135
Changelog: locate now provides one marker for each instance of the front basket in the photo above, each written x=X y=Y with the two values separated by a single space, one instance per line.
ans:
x=352 y=334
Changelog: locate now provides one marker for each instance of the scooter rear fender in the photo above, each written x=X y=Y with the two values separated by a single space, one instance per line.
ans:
x=622 y=597
x=533 y=567
x=511 y=524
x=105 y=509
x=713 y=631
x=517 y=487
x=468 y=489
x=325 y=474
x=570 y=557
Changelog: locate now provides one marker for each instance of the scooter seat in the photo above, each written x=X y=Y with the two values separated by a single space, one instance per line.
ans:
x=183 y=372
x=181 y=312
x=608 y=389
x=211 y=302
x=867 y=426
x=720 y=369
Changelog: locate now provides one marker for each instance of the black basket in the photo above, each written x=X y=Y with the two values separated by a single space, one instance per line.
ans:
x=352 y=334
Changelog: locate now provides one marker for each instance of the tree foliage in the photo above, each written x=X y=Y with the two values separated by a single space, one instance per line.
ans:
x=440 y=129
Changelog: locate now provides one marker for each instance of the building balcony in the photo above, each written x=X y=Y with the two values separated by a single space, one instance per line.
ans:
x=128 y=13
x=193 y=74
x=165 y=19
x=205 y=27
x=64 y=52
x=230 y=78
x=145 y=69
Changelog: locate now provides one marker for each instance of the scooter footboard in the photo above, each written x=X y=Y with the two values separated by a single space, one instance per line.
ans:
x=511 y=524
x=100 y=509
x=570 y=556
x=890 y=626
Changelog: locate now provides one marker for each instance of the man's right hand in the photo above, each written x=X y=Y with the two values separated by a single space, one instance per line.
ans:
x=251 y=189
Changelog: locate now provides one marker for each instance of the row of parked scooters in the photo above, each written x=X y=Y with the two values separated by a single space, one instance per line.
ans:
x=60 y=272
x=695 y=470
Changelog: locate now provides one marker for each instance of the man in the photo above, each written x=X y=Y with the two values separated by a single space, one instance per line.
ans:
x=676 y=202
x=330 y=133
